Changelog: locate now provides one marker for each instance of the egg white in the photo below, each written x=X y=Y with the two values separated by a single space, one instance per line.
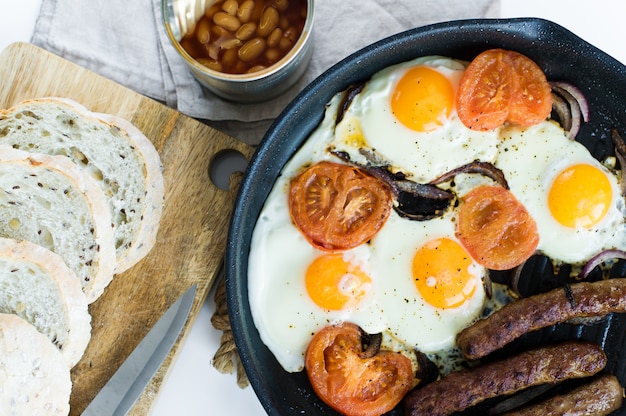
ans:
x=531 y=158
x=408 y=316
x=422 y=155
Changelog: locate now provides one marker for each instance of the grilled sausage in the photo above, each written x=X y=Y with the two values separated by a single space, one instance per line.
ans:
x=462 y=389
x=599 y=397
x=579 y=300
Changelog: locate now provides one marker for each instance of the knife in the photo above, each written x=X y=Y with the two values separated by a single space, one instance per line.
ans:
x=129 y=381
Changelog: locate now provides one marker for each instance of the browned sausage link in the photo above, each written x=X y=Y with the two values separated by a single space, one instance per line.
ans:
x=578 y=300
x=600 y=397
x=462 y=389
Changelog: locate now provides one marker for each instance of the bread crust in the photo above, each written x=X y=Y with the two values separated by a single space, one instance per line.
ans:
x=153 y=198
x=103 y=249
x=142 y=226
x=24 y=254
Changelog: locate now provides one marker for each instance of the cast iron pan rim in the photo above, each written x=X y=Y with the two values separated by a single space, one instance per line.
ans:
x=305 y=112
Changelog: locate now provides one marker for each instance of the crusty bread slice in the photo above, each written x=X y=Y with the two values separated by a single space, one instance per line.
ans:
x=37 y=285
x=34 y=378
x=49 y=201
x=124 y=162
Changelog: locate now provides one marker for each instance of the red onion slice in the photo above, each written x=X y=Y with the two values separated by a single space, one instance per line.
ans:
x=601 y=258
x=577 y=103
x=574 y=92
x=563 y=112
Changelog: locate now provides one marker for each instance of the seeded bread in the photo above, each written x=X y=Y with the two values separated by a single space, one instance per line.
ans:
x=37 y=285
x=114 y=152
x=49 y=201
x=34 y=378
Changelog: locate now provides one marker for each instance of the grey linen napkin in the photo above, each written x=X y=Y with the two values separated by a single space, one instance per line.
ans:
x=125 y=41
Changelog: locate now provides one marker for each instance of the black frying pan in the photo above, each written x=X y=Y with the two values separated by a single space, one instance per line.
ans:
x=561 y=54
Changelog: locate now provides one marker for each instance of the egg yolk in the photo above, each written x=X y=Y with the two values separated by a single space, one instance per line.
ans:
x=580 y=196
x=442 y=273
x=334 y=283
x=422 y=99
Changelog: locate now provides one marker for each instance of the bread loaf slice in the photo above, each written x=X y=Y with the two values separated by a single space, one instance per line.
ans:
x=123 y=161
x=49 y=201
x=37 y=285
x=34 y=378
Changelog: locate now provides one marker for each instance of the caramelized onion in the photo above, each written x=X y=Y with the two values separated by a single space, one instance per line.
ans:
x=427 y=370
x=484 y=168
x=415 y=201
x=421 y=202
x=375 y=159
x=371 y=344
x=488 y=284
x=347 y=99
x=620 y=154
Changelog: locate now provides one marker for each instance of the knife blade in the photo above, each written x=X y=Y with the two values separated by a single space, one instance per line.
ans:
x=121 y=392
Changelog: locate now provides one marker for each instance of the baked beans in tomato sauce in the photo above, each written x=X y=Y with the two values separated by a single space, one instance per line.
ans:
x=244 y=36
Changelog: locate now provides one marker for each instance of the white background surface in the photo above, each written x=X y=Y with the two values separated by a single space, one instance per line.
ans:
x=194 y=387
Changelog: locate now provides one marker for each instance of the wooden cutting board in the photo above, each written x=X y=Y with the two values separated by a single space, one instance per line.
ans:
x=192 y=234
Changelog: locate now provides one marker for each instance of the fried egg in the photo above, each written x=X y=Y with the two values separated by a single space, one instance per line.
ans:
x=403 y=278
x=574 y=199
x=406 y=113
x=430 y=288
